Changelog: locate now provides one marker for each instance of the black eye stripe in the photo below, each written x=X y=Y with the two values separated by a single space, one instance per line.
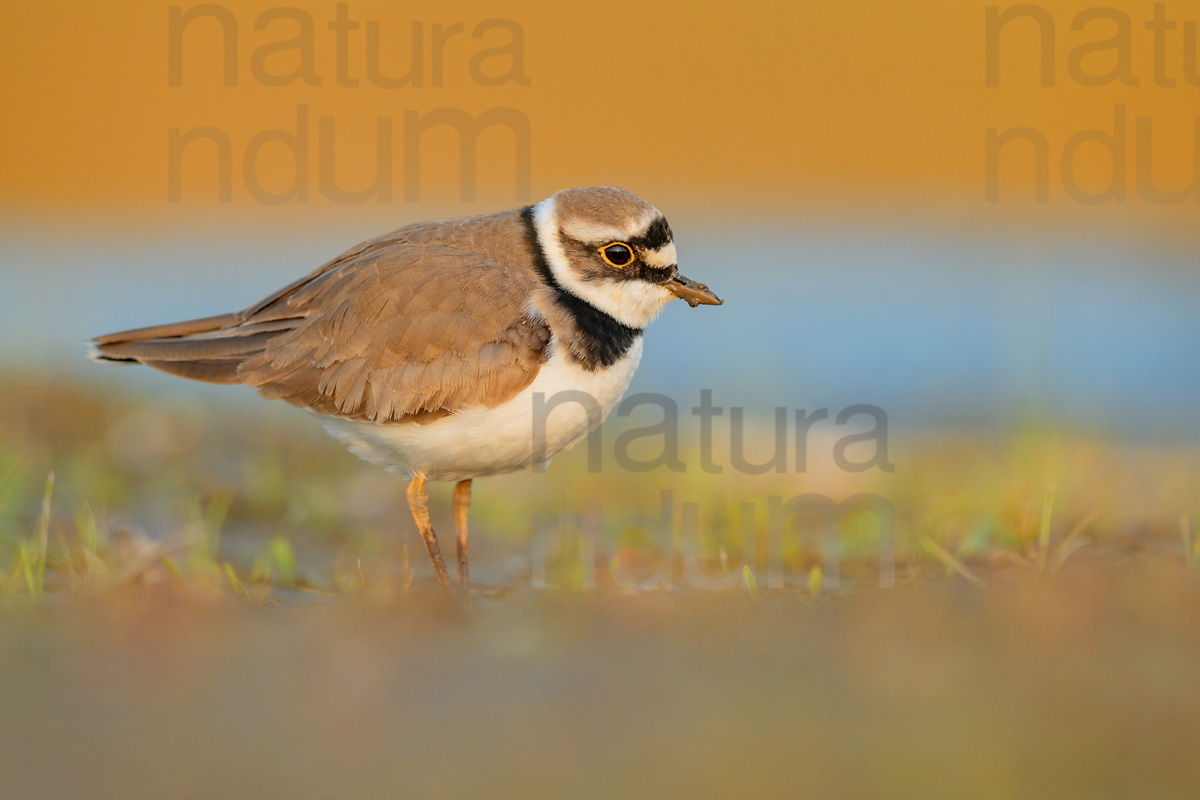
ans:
x=657 y=235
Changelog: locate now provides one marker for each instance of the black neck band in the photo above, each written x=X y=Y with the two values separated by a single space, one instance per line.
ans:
x=601 y=339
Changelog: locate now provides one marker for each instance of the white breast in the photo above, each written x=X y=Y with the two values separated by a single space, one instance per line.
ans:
x=477 y=442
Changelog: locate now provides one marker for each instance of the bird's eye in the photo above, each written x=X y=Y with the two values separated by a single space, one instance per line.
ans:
x=617 y=254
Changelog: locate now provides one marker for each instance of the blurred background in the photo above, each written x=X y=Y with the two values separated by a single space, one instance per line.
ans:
x=980 y=219
x=827 y=168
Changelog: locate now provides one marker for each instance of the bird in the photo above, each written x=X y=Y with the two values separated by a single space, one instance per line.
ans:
x=434 y=350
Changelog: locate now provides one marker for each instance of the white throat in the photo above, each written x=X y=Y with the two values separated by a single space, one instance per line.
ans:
x=632 y=303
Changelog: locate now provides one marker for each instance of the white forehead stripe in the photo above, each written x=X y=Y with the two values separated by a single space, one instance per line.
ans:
x=662 y=257
x=599 y=233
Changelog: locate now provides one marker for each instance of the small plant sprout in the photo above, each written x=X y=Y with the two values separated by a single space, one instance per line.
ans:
x=204 y=532
x=275 y=563
x=33 y=553
x=1191 y=542
x=234 y=582
x=748 y=580
x=1044 y=527
x=1070 y=545
x=283 y=557
x=92 y=545
x=951 y=563
x=816 y=578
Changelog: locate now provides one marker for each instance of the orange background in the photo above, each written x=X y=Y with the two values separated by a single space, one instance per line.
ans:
x=852 y=106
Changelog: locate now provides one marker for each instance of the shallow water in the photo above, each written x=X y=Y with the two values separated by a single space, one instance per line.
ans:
x=937 y=329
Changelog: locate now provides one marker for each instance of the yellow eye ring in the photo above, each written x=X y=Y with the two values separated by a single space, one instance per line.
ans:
x=617 y=254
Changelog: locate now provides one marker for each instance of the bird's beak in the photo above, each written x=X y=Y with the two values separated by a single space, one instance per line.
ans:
x=695 y=293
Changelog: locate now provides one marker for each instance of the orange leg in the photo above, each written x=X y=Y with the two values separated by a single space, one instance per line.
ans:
x=462 y=505
x=418 y=504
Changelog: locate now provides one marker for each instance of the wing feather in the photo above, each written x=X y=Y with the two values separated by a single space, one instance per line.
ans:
x=410 y=326
x=404 y=332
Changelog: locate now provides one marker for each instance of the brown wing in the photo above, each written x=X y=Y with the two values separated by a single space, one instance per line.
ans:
x=406 y=330
x=410 y=326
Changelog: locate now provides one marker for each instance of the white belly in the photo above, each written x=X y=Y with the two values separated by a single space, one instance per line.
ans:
x=477 y=442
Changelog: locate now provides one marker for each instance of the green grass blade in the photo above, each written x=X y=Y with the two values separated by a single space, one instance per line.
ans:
x=1044 y=527
x=950 y=562
x=42 y=540
x=748 y=580
x=25 y=568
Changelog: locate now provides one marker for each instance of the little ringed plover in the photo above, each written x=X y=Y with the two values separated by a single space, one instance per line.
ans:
x=423 y=349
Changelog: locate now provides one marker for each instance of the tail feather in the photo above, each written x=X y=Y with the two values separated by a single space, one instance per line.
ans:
x=209 y=349
x=220 y=370
x=187 y=328
x=187 y=348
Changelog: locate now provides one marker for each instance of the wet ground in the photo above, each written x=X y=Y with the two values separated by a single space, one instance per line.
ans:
x=1079 y=685
x=210 y=606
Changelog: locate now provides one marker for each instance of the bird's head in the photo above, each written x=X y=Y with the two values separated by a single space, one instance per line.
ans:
x=614 y=250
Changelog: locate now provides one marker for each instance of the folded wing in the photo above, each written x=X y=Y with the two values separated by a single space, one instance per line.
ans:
x=392 y=331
